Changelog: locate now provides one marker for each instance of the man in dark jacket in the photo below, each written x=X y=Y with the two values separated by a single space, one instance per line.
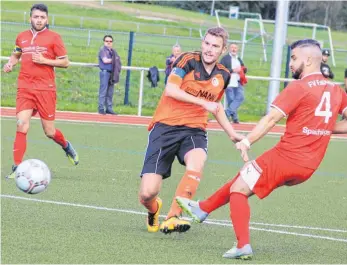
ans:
x=110 y=67
x=234 y=92
x=324 y=67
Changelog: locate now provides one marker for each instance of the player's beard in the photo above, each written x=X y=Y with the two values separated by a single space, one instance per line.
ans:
x=43 y=25
x=298 y=72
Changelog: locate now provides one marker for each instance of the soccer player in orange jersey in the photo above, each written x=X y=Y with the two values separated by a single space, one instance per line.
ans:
x=40 y=51
x=195 y=88
x=311 y=105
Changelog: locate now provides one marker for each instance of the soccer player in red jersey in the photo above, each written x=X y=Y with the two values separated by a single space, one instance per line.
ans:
x=40 y=51
x=178 y=128
x=311 y=105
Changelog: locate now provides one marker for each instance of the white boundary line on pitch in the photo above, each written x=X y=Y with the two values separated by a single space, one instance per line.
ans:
x=134 y=125
x=215 y=222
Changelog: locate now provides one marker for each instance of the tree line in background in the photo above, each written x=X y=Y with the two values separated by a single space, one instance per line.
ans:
x=329 y=13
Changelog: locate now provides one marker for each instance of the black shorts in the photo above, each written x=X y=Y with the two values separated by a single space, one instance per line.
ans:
x=165 y=142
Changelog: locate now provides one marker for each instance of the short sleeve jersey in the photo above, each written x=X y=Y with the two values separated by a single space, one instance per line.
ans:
x=33 y=75
x=311 y=105
x=189 y=74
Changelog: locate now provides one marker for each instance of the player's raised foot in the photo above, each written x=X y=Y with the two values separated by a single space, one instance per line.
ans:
x=12 y=175
x=192 y=208
x=71 y=153
x=244 y=253
x=174 y=224
x=153 y=218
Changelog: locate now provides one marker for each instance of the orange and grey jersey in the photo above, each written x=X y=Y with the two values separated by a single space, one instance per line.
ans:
x=189 y=74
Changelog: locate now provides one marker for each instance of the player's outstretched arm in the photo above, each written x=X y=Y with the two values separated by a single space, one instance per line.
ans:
x=226 y=125
x=265 y=125
x=262 y=128
x=173 y=91
x=61 y=62
x=14 y=59
x=340 y=127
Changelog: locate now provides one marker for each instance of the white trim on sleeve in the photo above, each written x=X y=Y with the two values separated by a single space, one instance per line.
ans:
x=278 y=108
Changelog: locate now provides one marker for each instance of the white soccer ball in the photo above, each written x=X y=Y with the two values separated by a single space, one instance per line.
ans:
x=32 y=176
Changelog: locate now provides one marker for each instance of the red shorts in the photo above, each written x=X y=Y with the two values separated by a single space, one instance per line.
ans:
x=41 y=101
x=270 y=171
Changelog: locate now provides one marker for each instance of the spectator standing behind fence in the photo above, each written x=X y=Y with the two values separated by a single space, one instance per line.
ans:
x=110 y=67
x=324 y=67
x=234 y=92
x=176 y=51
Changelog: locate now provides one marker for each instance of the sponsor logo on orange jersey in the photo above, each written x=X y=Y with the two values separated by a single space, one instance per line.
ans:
x=201 y=94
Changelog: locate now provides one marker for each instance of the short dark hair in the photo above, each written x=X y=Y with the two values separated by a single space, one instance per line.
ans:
x=218 y=32
x=107 y=36
x=326 y=52
x=304 y=43
x=41 y=7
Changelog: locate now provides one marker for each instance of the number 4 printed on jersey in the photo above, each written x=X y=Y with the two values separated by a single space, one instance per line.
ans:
x=327 y=114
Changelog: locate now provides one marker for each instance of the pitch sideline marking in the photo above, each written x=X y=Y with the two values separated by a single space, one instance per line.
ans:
x=219 y=223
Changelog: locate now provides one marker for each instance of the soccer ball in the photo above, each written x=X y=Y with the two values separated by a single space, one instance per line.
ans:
x=32 y=176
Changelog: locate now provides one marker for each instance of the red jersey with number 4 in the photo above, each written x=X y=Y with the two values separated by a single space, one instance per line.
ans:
x=312 y=105
x=33 y=75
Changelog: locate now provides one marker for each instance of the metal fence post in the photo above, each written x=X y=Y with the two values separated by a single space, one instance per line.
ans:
x=25 y=17
x=81 y=22
x=53 y=18
x=287 y=65
x=127 y=79
x=88 y=41
x=139 y=109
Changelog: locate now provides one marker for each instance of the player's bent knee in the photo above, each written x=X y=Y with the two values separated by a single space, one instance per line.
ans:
x=240 y=186
x=146 y=196
x=22 y=126
x=50 y=134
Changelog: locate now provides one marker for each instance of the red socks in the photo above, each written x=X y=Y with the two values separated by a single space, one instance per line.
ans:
x=217 y=199
x=59 y=138
x=240 y=216
x=239 y=210
x=19 y=147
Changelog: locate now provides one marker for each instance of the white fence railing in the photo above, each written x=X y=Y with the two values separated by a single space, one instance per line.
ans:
x=142 y=76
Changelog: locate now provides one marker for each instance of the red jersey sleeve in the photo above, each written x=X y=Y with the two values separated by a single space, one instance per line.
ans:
x=59 y=47
x=289 y=98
